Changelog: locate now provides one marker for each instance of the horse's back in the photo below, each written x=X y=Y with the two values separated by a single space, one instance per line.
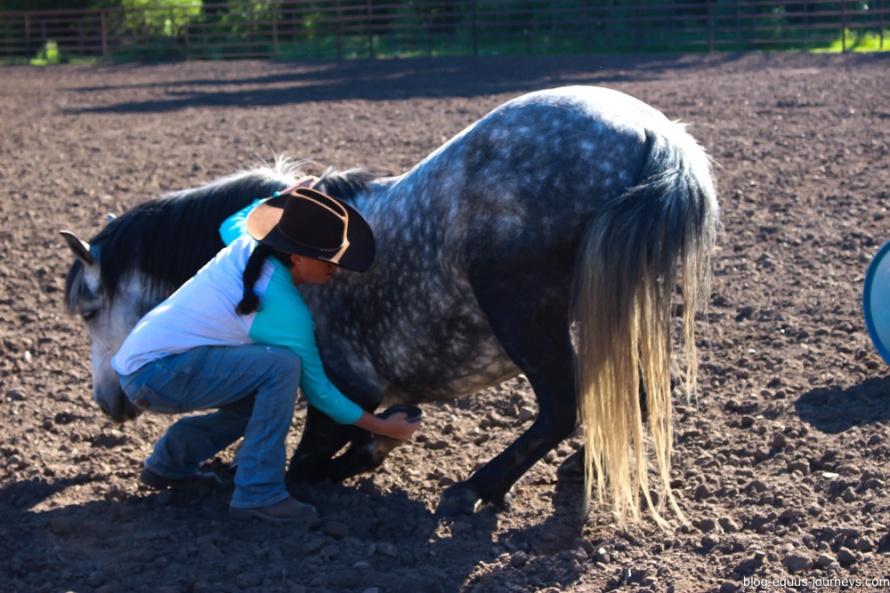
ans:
x=588 y=103
x=543 y=151
x=526 y=177
x=495 y=216
x=586 y=136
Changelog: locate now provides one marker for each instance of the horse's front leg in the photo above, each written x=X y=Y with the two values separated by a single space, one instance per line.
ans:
x=314 y=459
x=364 y=455
x=322 y=438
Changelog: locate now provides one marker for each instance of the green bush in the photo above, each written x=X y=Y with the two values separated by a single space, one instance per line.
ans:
x=48 y=55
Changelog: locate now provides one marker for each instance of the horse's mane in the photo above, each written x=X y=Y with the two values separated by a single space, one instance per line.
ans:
x=171 y=237
x=346 y=185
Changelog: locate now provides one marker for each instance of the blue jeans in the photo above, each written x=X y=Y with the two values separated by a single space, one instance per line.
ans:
x=253 y=389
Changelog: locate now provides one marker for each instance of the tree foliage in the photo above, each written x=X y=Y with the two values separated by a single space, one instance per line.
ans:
x=160 y=17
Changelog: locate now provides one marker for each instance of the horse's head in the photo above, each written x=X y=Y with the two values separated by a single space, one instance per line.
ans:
x=107 y=321
x=145 y=254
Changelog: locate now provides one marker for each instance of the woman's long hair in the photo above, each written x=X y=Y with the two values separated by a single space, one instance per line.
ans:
x=250 y=301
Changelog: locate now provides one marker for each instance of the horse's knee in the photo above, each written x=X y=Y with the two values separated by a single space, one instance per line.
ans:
x=322 y=438
x=554 y=425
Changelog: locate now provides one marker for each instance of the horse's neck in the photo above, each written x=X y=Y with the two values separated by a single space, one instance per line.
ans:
x=376 y=198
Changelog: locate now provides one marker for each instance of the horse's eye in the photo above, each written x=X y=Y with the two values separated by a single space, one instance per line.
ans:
x=89 y=314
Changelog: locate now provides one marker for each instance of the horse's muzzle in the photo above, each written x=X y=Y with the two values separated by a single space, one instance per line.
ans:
x=121 y=414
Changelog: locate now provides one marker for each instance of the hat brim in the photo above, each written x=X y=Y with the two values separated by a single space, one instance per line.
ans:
x=262 y=225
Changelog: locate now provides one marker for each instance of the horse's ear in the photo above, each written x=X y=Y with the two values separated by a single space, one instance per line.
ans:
x=81 y=249
x=109 y=217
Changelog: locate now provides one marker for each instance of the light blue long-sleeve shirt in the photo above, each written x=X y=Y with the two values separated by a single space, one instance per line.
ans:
x=202 y=312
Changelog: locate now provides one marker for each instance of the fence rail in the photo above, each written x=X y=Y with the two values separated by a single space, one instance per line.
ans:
x=365 y=28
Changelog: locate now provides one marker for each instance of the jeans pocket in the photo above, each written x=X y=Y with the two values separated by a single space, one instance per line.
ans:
x=152 y=401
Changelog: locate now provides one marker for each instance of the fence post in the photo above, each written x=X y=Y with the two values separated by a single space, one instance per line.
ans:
x=585 y=28
x=338 y=33
x=275 y=30
x=475 y=31
x=104 y=28
x=250 y=29
x=370 y=28
x=844 y=26
x=27 y=36
x=428 y=25
x=528 y=27
x=710 y=26
x=881 y=25
x=185 y=38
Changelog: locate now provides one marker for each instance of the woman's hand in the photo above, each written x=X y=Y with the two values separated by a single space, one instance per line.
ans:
x=394 y=427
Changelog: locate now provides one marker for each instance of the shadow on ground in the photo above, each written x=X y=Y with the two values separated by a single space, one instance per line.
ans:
x=378 y=80
x=834 y=410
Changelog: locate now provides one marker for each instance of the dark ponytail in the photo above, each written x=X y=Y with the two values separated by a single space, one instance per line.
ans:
x=250 y=302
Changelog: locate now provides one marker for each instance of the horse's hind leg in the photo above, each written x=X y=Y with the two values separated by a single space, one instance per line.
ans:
x=573 y=466
x=554 y=388
x=534 y=330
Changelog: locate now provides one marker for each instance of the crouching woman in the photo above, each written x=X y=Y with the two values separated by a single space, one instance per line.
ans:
x=238 y=339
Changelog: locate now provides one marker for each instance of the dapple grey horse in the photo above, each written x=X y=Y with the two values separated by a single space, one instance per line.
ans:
x=549 y=238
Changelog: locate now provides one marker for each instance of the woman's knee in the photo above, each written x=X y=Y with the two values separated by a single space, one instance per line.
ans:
x=283 y=363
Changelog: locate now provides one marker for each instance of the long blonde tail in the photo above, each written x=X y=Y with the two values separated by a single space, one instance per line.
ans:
x=624 y=283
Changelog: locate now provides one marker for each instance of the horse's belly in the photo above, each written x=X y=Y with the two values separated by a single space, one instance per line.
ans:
x=442 y=363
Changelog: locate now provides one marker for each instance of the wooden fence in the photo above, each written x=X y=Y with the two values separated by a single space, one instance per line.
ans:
x=297 y=29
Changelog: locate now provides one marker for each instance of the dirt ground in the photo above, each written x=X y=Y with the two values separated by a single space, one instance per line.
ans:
x=781 y=462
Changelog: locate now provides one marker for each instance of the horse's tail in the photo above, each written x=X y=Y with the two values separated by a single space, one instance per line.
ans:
x=625 y=278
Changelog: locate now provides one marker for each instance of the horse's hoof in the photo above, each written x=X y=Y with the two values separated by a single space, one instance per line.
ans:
x=572 y=469
x=458 y=500
x=502 y=502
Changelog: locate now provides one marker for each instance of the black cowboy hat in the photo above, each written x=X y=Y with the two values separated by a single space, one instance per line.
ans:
x=308 y=222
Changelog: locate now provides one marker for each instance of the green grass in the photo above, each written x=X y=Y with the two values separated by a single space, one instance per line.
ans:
x=49 y=55
x=459 y=44
x=859 y=42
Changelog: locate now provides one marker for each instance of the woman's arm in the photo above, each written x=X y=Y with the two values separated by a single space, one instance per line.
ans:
x=284 y=320
x=395 y=427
